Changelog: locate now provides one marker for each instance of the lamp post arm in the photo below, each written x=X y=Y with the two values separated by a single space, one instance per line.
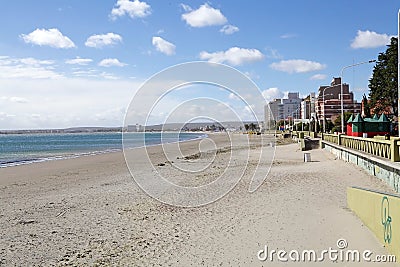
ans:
x=341 y=88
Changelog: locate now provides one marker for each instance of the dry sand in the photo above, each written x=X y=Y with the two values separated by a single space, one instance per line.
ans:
x=89 y=211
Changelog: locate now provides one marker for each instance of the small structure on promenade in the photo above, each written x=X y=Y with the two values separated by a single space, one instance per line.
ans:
x=368 y=127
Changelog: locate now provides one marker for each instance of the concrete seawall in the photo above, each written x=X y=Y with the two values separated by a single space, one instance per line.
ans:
x=380 y=213
x=383 y=169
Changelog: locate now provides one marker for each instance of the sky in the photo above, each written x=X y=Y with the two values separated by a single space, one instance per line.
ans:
x=69 y=63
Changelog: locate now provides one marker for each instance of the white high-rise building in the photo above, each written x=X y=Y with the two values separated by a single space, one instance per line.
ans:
x=269 y=121
x=308 y=107
x=284 y=108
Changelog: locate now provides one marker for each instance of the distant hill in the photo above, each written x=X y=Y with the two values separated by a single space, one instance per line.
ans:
x=195 y=126
x=66 y=130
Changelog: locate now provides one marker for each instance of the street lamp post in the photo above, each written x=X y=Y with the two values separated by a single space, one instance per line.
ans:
x=398 y=72
x=293 y=117
x=341 y=88
x=309 y=120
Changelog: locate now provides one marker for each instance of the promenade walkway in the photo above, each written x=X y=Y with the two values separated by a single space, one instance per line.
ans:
x=300 y=206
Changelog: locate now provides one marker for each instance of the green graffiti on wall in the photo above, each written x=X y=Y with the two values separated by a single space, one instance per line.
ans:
x=386 y=220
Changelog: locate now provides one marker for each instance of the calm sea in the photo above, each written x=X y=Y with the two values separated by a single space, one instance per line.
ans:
x=17 y=149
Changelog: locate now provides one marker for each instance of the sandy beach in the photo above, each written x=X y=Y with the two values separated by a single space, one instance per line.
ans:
x=90 y=212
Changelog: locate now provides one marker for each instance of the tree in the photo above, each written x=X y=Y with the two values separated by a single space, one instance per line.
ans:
x=338 y=122
x=252 y=127
x=383 y=84
x=367 y=109
x=328 y=125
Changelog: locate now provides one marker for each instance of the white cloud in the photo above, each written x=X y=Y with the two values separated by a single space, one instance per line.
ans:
x=64 y=103
x=35 y=116
x=370 y=39
x=233 y=96
x=52 y=37
x=297 y=66
x=108 y=76
x=249 y=109
x=286 y=94
x=205 y=15
x=15 y=99
x=229 y=29
x=101 y=40
x=114 y=113
x=288 y=36
x=252 y=75
x=186 y=8
x=28 y=72
x=109 y=62
x=134 y=9
x=93 y=73
x=163 y=46
x=272 y=53
x=30 y=68
x=4 y=116
x=318 y=77
x=272 y=93
x=34 y=62
x=78 y=61
x=234 y=56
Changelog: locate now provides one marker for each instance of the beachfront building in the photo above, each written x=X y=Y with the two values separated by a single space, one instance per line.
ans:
x=269 y=120
x=285 y=108
x=328 y=102
x=368 y=127
x=307 y=107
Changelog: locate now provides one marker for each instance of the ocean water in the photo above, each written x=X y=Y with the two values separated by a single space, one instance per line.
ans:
x=17 y=149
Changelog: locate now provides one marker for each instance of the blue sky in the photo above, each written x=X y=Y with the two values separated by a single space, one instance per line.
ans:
x=78 y=63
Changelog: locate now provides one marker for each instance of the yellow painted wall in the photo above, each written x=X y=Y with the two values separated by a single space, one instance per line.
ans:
x=380 y=213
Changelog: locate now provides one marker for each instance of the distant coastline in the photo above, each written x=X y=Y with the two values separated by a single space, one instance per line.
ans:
x=66 y=130
x=170 y=127
x=88 y=130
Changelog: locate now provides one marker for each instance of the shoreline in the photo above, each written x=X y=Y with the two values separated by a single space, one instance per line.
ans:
x=72 y=155
x=40 y=169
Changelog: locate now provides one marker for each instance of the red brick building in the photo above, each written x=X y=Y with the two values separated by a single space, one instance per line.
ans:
x=332 y=105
